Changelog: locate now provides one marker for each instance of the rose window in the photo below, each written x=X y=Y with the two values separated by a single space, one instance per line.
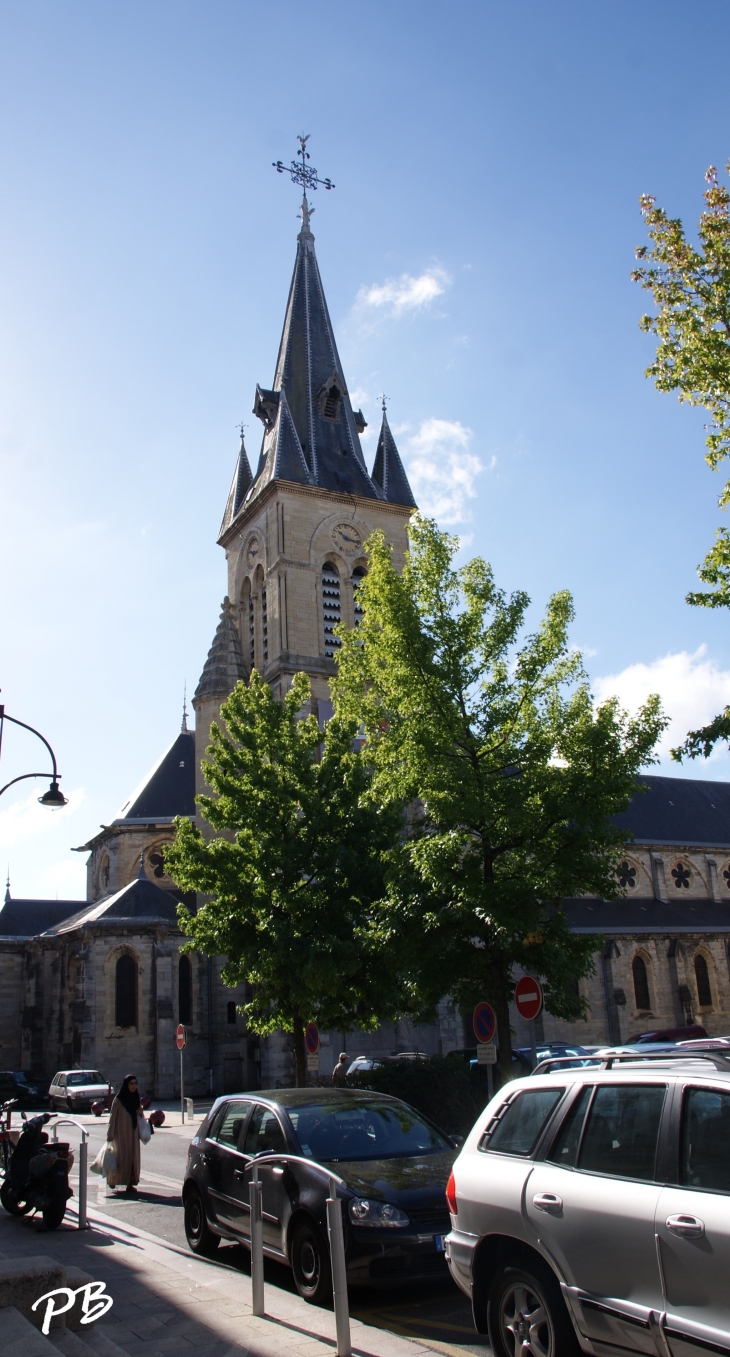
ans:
x=682 y=876
x=157 y=863
x=726 y=875
x=627 y=875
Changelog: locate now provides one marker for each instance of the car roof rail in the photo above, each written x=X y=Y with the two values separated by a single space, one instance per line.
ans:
x=719 y=1058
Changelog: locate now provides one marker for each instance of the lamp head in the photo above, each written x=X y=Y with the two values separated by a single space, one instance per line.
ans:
x=54 y=797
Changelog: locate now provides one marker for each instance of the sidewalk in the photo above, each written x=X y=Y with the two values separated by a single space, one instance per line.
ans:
x=181 y=1306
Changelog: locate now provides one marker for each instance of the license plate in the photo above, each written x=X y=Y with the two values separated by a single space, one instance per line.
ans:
x=438 y=1240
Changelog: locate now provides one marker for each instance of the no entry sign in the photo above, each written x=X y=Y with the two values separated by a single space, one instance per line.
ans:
x=484 y=1022
x=311 y=1038
x=181 y=1037
x=528 y=997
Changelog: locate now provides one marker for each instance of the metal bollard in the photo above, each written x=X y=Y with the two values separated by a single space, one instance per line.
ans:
x=83 y=1161
x=257 y=1243
x=339 y=1272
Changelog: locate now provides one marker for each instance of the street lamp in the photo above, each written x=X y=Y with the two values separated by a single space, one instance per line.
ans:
x=54 y=797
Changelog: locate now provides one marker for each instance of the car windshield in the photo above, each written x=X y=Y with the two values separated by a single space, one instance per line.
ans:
x=84 y=1077
x=365 y=1130
x=19 y=1077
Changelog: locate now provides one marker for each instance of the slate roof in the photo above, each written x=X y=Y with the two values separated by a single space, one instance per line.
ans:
x=308 y=439
x=225 y=664
x=242 y=478
x=388 y=470
x=648 y=916
x=169 y=787
x=139 y=900
x=28 y=918
x=688 y=812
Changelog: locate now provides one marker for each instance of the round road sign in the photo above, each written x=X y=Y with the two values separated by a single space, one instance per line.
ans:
x=484 y=1022
x=528 y=997
x=311 y=1038
x=181 y=1037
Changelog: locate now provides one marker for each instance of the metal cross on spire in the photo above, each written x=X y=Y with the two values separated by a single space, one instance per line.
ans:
x=304 y=174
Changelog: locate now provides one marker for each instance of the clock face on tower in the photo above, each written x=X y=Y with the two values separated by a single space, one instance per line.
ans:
x=347 y=539
x=252 y=552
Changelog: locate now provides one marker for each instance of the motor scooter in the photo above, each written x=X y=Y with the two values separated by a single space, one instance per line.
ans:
x=37 y=1177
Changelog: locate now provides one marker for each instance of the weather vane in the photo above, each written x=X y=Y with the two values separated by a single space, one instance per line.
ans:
x=304 y=174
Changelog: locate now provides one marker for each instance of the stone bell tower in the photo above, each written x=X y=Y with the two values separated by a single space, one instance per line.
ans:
x=294 y=531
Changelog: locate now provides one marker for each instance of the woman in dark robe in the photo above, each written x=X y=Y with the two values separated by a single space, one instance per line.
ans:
x=123 y=1133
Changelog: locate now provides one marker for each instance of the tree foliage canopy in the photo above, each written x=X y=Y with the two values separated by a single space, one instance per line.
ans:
x=691 y=288
x=512 y=772
x=294 y=867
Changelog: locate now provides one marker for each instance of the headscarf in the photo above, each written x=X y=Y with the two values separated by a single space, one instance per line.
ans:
x=129 y=1098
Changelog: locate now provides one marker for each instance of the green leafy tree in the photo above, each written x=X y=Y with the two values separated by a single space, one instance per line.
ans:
x=512 y=775
x=296 y=863
x=690 y=286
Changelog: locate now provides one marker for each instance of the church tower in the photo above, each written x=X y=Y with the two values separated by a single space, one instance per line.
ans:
x=294 y=531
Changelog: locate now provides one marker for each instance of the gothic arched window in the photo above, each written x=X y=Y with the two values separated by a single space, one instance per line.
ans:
x=264 y=627
x=358 y=575
x=126 y=992
x=331 y=607
x=185 y=991
x=231 y=1011
x=641 y=983
x=248 y=601
x=702 y=976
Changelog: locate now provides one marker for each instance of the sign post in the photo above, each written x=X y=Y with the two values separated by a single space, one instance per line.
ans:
x=484 y=1022
x=528 y=1002
x=311 y=1042
x=181 y=1037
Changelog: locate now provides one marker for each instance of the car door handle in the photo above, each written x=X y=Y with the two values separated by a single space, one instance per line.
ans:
x=687 y=1227
x=548 y=1201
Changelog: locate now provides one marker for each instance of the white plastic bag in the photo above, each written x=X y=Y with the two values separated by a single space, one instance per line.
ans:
x=145 y=1130
x=105 y=1162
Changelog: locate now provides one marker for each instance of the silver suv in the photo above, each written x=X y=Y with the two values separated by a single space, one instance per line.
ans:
x=590 y=1210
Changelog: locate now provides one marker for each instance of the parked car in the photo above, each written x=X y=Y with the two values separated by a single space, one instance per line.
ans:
x=546 y=1050
x=363 y=1064
x=76 y=1090
x=394 y=1161
x=668 y=1034
x=23 y=1088
x=590 y=1210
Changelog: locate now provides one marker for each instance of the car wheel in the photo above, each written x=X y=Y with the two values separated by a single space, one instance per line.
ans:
x=310 y=1261
x=526 y=1314
x=197 y=1231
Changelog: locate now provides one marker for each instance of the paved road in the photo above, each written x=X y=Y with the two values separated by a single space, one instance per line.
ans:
x=438 y=1314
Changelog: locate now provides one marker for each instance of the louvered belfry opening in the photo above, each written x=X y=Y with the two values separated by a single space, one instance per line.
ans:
x=251 y=631
x=264 y=627
x=331 y=402
x=331 y=607
x=358 y=576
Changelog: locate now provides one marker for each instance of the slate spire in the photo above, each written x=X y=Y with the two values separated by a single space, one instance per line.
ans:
x=388 y=470
x=240 y=485
x=224 y=665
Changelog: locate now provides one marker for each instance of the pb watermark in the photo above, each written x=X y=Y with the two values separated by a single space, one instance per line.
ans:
x=95 y=1302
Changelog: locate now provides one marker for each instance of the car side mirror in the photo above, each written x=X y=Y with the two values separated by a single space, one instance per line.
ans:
x=456 y=1142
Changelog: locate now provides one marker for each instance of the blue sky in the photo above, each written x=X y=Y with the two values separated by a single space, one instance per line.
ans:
x=476 y=255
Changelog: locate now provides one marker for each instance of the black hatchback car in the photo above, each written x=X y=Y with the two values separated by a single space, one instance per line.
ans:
x=25 y=1091
x=395 y=1164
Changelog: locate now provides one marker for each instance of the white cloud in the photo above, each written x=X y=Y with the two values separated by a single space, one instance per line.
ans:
x=442 y=470
x=405 y=293
x=693 y=689
x=26 y=819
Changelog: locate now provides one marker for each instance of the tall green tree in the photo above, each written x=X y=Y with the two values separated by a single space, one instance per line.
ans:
x=297 y=860
x=511 y=773
x=690 y=285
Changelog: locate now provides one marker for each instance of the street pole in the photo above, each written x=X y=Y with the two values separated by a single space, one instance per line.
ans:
x=490 y=1083
x=182 y=1102
x=533 y=1043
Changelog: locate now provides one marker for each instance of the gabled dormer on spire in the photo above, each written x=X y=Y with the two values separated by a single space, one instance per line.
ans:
x=388 y=470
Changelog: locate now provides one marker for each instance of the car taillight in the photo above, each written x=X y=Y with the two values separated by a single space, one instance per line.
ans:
x=451 y=1195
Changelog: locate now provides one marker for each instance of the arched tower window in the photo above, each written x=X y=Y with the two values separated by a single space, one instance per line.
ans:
x=264 y=626
x=331 y=607
x=641 y=983
x=126 y=992
x=702 y=976
x=247 y=619
x=185 y=991
x=358 y=576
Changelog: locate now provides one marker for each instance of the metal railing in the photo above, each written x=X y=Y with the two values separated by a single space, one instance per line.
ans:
x=336 y=1242
x=83 y=1163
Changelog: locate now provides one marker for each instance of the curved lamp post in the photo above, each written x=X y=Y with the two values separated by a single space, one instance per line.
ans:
x=54 y=797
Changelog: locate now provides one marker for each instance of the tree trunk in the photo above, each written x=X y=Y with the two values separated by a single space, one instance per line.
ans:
x=500 y=1004
x=299 y=1050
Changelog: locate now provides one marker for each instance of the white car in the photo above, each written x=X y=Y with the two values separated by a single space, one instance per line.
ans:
x=76 y=1090
x=590 y=1210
